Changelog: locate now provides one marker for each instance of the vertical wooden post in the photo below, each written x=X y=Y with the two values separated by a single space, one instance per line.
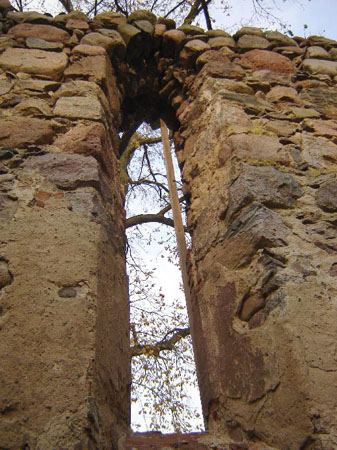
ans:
x=178 y=222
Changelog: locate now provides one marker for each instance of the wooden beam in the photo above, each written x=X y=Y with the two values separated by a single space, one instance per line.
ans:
x=177 y=217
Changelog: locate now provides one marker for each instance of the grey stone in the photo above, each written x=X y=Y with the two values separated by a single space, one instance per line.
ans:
x=29 y=16
x=41 y=44
x=33 y=85
x=248 y=42
x=326 y=196
x=109 y=19
x=265 y=185
x=280 y=39
x=169 y=23
x=191 y=30
x=191 y=51
x=256 y=227
x=79 y=108
x=6 y=42
x=5 y=275
x=321 y=41
x=217 y=33
x=333 y=53
x=76 y=15
x=221 y=41
x=111 y=41
x=67 y=292
x=145 y=26
x=320 y=66
x=5 y=86
x=132 y=37
x=253 y=31
x=33 y=107
x=7 y=153
x=317 y=52
x=303 y=113
x=318 y=152
x=142 y=14
x=323 y=99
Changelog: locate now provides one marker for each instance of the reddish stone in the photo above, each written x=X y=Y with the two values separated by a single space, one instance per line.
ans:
x=66 y=171
x=58 y=195
x=159 y=29
x=92 y=67
x=20 y=131
x=79 y=24
x=34 y=62
x=182 y=108
x=89 y=140
x=46 y=32
x=40 y=203
x=42 y=195
x=263 y=59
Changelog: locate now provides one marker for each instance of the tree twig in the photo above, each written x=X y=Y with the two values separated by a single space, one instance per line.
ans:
x=164 y=344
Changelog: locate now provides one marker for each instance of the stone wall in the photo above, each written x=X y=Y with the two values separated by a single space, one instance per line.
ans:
x=258 y=148
x=64 y=345
x=255 y=125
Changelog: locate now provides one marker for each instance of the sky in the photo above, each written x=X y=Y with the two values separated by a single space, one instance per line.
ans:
x=318 y=15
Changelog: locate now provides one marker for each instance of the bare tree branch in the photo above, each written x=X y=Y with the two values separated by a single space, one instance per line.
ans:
x=196 y=8
x=67 y=5
x=206 y=14
x=164 y=344
x=149 y=182
x=148 y=218
x=152 y=218
x=174 y=8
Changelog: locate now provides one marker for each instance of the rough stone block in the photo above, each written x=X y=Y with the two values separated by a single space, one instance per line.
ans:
x=264 y=60
x=66 y=171
x=320 y=66
x=45 y=32
x=34 y=62
x=79 y=108
x=21 y=131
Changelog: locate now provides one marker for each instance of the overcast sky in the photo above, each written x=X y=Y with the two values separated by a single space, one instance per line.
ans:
x=319 y=15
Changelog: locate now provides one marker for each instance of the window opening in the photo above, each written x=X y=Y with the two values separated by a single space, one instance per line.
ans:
x=165 y=394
